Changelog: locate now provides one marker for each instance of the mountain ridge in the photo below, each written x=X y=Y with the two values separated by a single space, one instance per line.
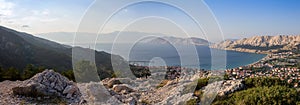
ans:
x=261 y=44
x=19 y=49
x=175 y=41
x=255 y=44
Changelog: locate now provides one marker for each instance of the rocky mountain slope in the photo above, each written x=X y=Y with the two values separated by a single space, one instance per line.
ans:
x=19 y=49
x=261 y=44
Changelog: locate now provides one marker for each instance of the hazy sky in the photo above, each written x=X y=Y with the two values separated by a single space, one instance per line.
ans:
x=237 y=18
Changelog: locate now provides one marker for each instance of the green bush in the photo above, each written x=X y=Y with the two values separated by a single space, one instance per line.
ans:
x=192 y=102
x=11 y=74
x=69 y=74
x=201 y=83
x=28 y=72
x=264 y=81
x=273 y=95
x=262 y=91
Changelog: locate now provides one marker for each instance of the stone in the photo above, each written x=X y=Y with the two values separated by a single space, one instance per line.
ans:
x=122 y=87
x=131 y=101
x=49 y=84
x=70 y=89
x=113 y=82
x=69 y=95
x=67 y=89
x=83 y=102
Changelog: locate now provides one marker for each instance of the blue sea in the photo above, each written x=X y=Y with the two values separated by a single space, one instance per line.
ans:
x=201 y=57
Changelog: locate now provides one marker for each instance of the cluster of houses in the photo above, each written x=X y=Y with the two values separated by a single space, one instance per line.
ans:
x=268 y=67
x=173 y=72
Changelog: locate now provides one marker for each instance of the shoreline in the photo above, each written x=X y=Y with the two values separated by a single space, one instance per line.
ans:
x=196 y=67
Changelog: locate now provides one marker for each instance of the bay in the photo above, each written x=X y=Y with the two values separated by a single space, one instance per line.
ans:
x=201 y=57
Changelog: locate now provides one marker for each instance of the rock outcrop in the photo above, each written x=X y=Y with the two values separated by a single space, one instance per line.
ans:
x=225 y=87
x=230 y=86
x=261 y=44
x=49 y=84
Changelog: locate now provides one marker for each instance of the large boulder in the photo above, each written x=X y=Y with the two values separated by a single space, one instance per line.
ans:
x=50 y=84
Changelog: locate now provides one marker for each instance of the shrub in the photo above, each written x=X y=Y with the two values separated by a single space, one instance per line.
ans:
x=162 y=83
x=201 y=83
x=192 y=102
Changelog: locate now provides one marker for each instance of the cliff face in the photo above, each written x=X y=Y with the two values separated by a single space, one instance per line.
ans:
x=261 y=44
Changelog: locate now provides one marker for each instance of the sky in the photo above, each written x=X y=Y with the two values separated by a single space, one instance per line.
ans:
x=237 y=18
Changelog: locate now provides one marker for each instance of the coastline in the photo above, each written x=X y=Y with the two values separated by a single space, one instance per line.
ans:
x=243 y=51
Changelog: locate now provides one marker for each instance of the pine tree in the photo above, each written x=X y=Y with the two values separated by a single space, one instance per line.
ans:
x=12 y=74
x=28 y=72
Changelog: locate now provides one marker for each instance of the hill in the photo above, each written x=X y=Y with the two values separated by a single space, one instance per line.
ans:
x=121 y=37
x=262 y=44
x=19 y=49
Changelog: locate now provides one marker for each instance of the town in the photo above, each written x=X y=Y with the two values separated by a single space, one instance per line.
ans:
x=285 y=66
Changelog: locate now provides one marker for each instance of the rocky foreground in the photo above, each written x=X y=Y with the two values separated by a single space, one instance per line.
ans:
x=50 y=87
x=43 y=88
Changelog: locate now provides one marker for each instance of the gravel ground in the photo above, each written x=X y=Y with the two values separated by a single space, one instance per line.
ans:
x=6 y=94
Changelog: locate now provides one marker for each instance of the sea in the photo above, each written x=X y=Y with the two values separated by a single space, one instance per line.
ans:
x=191 y=56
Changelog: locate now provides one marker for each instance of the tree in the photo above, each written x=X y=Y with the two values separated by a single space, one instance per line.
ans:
x=226 y=77
x=12 y=74
x=1 y=73
x=40 y=69
x=28 y=72
x=69 y=74
x=264 y=81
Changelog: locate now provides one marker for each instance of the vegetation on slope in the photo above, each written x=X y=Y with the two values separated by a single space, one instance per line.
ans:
x=274 y=95
x=262 y=91
x=259 y=91
x=17 y=50
x=30 y=70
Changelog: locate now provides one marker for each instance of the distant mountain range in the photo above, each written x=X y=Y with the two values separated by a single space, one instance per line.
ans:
x=256 y=44
x=121 y=37
x=175 y=41
x=124 y=37
x=19 y=49
x=262 y=44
